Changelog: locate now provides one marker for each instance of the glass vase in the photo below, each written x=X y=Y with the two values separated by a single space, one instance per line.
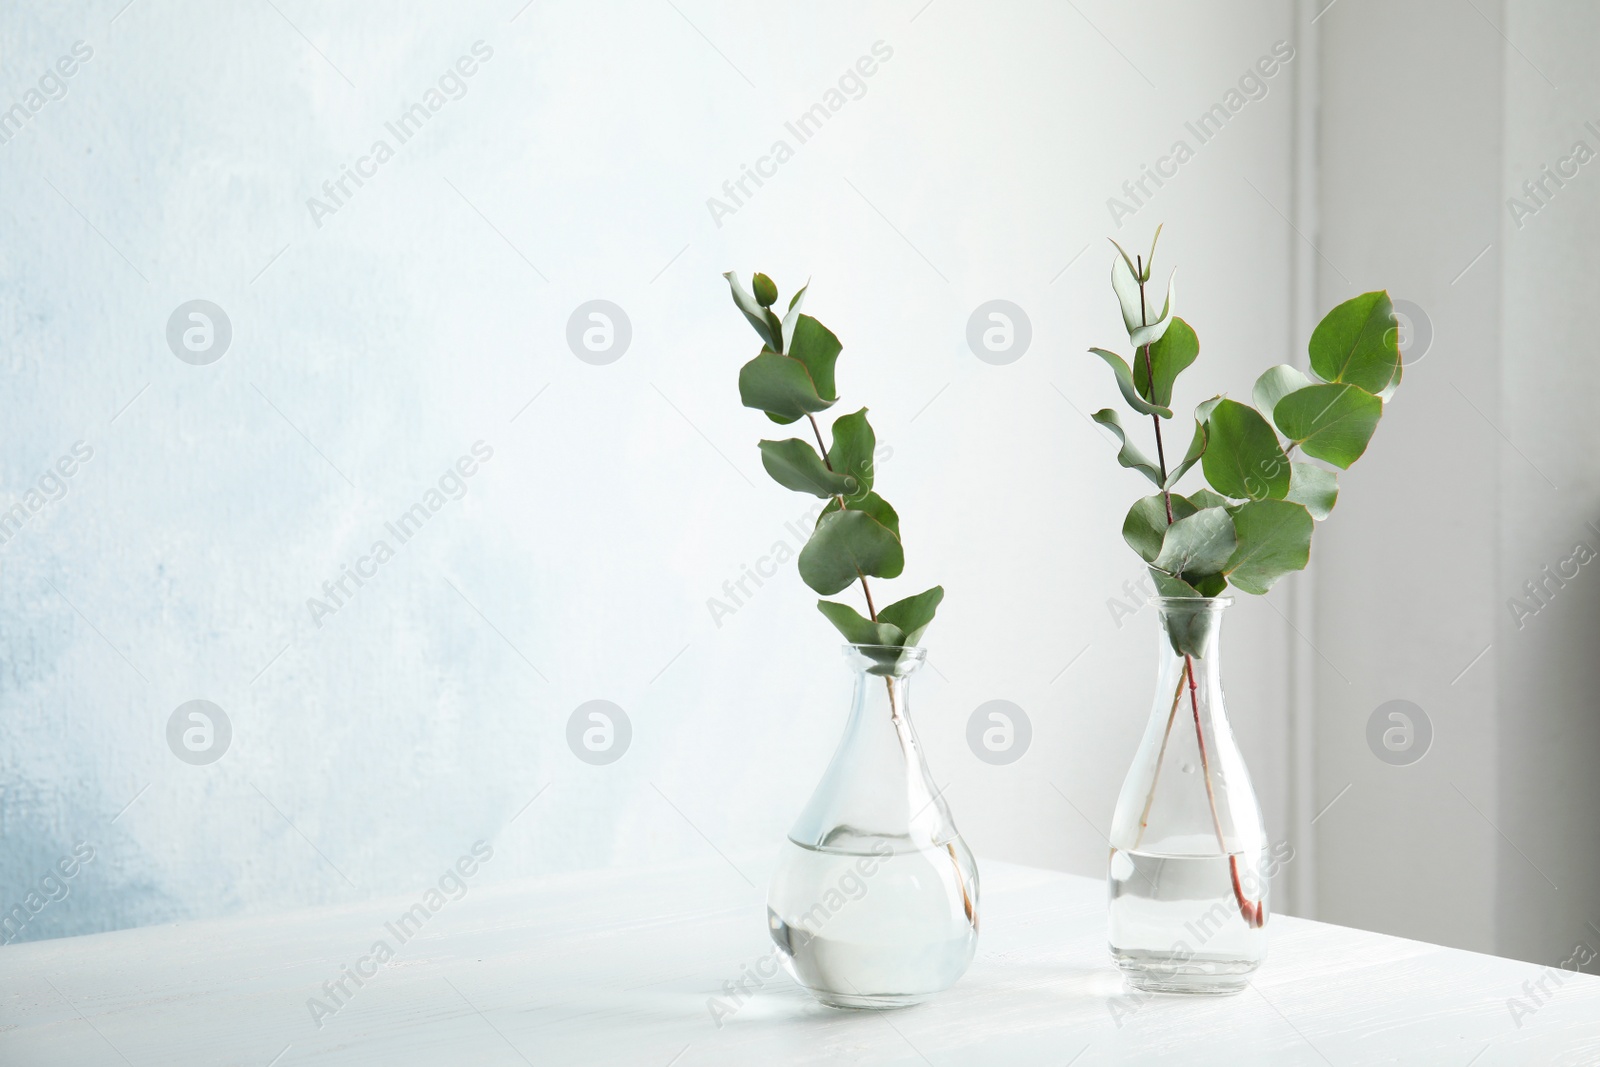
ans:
x=874 y=903
x=1189 y=856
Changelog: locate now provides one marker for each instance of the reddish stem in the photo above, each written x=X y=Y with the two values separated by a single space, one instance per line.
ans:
x=1252 y=911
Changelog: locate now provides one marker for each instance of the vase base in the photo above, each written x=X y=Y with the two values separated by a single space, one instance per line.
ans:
x=1213 y=980
x=868 y=1001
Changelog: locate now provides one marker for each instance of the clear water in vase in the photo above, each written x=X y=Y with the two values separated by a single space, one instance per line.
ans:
x=1176 y=921
x=877 y=928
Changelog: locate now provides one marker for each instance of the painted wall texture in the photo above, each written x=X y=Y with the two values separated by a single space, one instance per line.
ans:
x=395 y=504
x=1486 y=843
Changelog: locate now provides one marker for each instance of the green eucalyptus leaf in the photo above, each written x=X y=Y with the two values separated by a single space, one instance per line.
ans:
x=1358 y=343
x=1330 y=422
x=765 y=322
x=794 y=464
x=1243 y=459
x=1150 y=260
x=1313 y=487
x=1209 y=585
x=1188 y=632
x=846 y=545
x=852 y=449
x=1125 y=383
x=1125 y=283
x=1169 y=356
x=1146 y=524
x=814 y=345
x=1167 y=585
x=1205 y=498
x=792 y=318
x=780 y=386
x=1274 y=384
x=1128 y=455
x=1133 y=271
x=1274 y=538
x=1197 y=545
x=913 y=614
x=873 y=505
x=1158 y=323
x=1197 y=449
x=859 y=630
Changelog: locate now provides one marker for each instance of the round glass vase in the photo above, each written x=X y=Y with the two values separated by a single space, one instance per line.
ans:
x=874 y=902
x=1189 y=856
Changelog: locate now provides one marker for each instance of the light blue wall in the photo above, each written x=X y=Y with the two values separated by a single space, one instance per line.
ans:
x=371 y=351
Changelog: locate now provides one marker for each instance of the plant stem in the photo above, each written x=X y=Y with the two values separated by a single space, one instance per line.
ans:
x=1150 y=383
x=1144 y=816
x=1252 y=912
x=901 y=726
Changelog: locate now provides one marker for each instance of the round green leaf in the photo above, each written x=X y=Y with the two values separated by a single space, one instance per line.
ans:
x=1146 y=524
x=1197 y=545
x=1274 y=384
x=1205 y=498
x=1313 y=487
x=913 y=614
x=857 y=629
x=1274 y=538
x=846 y=545
x=815 y=346
x=1243 y=459
x=1359 y=342
x=1188 y=632
x=1330 y=422
x=852 y=450
x=873 y=505
x=1169 y=356
x=780 y=386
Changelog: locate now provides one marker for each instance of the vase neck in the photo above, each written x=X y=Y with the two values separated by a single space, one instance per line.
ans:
x=1189 y=649
x=1188 y=792
x=877 y=787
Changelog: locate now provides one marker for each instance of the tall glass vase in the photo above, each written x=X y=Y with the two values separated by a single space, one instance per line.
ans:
x=874 y=903
x=1189 y=856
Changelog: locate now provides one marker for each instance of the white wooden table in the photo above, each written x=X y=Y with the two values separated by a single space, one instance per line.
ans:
x=619 y=969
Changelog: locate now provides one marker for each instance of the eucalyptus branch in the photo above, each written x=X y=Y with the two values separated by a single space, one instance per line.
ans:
x=858 y=533
x=1252 y=912
x=1253 y=523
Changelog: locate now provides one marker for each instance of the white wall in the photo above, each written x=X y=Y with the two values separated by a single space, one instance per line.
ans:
x=1549 y=733
x=372 y=351
x=1409 y=171
x=1433 y=116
